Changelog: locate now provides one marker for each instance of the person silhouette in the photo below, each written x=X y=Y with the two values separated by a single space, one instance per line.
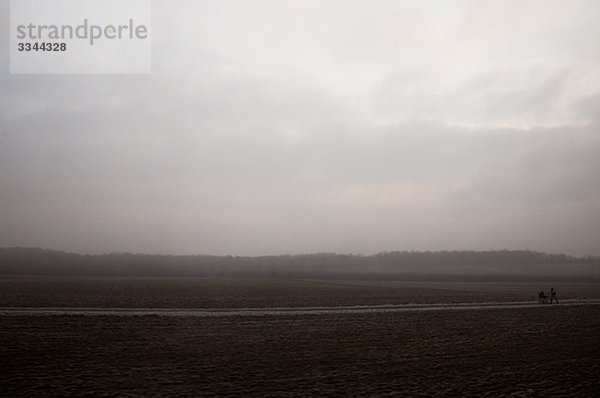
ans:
x=542 y=298
x=553 y=295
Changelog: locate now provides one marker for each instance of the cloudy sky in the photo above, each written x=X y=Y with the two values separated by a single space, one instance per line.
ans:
x=273 y=127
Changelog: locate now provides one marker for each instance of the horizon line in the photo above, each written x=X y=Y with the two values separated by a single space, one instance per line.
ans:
x=301 y=254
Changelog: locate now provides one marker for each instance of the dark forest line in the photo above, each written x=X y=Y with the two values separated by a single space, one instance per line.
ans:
x=448 y=265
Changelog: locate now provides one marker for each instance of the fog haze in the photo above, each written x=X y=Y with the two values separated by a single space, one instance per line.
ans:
x=274 y=127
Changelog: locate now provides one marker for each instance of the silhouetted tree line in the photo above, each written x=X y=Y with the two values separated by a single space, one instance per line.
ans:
x=397 y=265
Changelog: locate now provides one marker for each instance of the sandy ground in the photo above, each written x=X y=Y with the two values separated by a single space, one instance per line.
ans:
x=546 y=351
x=120 y=337
x=271 y=311
x=257 y=293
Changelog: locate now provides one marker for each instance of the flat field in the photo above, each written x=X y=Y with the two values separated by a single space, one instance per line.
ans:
x=549 y=350
x=264 y=293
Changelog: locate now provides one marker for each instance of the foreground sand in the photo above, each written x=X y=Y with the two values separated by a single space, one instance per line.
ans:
x=547 y=351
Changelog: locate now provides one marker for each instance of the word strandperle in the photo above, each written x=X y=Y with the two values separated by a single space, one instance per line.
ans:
x=84 y=31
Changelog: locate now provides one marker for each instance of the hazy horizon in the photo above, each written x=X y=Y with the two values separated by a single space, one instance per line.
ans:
x=295 y=127
x=299 y=254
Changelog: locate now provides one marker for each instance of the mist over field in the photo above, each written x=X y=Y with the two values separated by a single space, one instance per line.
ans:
x=396 y=265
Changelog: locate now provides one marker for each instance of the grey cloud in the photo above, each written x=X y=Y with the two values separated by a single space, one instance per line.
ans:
x=245 y=175
x=206 y=156
x=537 y=97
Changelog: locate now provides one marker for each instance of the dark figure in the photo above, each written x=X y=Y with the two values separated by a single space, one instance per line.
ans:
x=542 y=298
x=553 y=295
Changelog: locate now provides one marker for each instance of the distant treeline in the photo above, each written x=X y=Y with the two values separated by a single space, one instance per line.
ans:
x=456 y=265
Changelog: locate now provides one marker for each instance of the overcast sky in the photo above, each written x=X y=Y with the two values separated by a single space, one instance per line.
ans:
x=273 y=127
